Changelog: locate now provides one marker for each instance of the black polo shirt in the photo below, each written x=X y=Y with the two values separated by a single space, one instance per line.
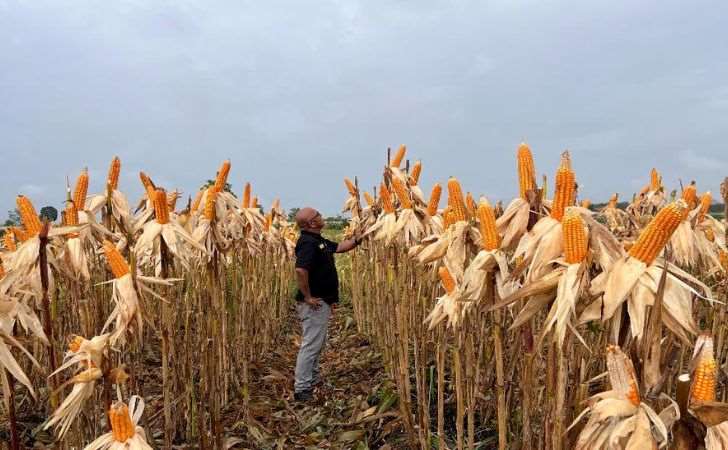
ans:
x=315 y=253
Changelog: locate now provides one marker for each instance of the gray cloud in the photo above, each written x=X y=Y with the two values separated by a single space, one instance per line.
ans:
x=299 y=95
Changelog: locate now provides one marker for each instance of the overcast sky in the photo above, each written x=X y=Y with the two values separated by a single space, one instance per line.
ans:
x=300 y=94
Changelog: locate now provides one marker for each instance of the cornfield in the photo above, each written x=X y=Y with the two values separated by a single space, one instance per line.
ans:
x=541 y=324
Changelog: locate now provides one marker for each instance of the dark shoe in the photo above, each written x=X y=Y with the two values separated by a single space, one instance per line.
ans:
x=303 y=396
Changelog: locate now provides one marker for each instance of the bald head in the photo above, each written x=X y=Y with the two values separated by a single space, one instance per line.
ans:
x=309 y=219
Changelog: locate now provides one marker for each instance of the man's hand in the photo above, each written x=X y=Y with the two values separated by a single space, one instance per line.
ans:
x=313 y=302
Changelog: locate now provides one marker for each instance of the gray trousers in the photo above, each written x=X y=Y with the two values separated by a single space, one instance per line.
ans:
x=314 y=323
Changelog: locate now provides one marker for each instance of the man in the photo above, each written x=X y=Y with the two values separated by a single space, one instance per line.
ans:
x=318 y=292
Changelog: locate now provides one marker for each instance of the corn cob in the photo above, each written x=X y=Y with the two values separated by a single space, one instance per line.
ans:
x=447 y=218
x=9 y=241
x=470 y=205
x=401 y=191
x=488 y=230
x=655 y=236
x=622 y=375
x=446 y=279
x=210 y=204
x=172 y=198
x=122 y=428
x=369 y=199
x=20 y=234
x=526 y=170
x=70 y=217
x=386 y=197
x=705 y=374
x=709 y=234
x=222 y=176
x=398 y=157
x=574 y=237
x=268 y=221
x=565 y=187
x=118 y=264
x=350 y=186
x=2 y=269
x=414 y=177
x=613 y=201
x=30 y=219
x=690 y=195
x=705 y=200
x=456 y=200
x=586 y=203
x=161 y=208
x=149 y=187
x=254 y=202
x=655 y=180
x=75 y=344
x=196 y=201
x=246 y=196
x=434 y=200
x=79 y=194
x=112 y=180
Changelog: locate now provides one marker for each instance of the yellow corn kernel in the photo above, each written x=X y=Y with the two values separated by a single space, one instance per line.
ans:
x=565 y=190
x=401 y=191
x=9 y=241
x=79 y=194
x=122 y=428
x=116 y=261
x=655 y=180
x=574 y=237
x=398 y=157
x=161 y=208
x=488 y=230
x=112 y=180
x=414 y=177
x=690 y=195
x=526 y=170
x=210 y=200
x=196 y=201
x=30 y=219
x=655 y=236
x=434 y=202
x=246 y=196
x=705 y=374
x=369 y=199
x=446 y=279
x=455 y=200
x=222 y=176
x=350 y=186
x=386 y=197
x=705 y=200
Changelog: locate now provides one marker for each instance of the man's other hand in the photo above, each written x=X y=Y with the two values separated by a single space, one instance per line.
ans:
x=313 y=302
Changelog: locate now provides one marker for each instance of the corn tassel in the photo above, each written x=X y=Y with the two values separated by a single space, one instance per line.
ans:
x=565 y=191
x=526 y=170
x=369 y=199
x=398 y=157
x=690 y=195
x=414 y=177
x=161 y=208
x=574 y=236
x=30 y=219
x=350 y=186
x=446 y=279
x=117 y=263
x=488 y=230
x=122 y=428
x=246 y=196
x=434 y=200
x=656 y=235
x=222 y=176
x=210 y=204
x=705 y=201
x=112 y=180
x=401 y=191
x=705 y=375
x=386 y=197
x=81 y=190
x=655 y=180
x=455 y=200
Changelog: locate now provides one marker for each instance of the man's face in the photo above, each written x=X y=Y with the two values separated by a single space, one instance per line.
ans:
x=316 y=222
